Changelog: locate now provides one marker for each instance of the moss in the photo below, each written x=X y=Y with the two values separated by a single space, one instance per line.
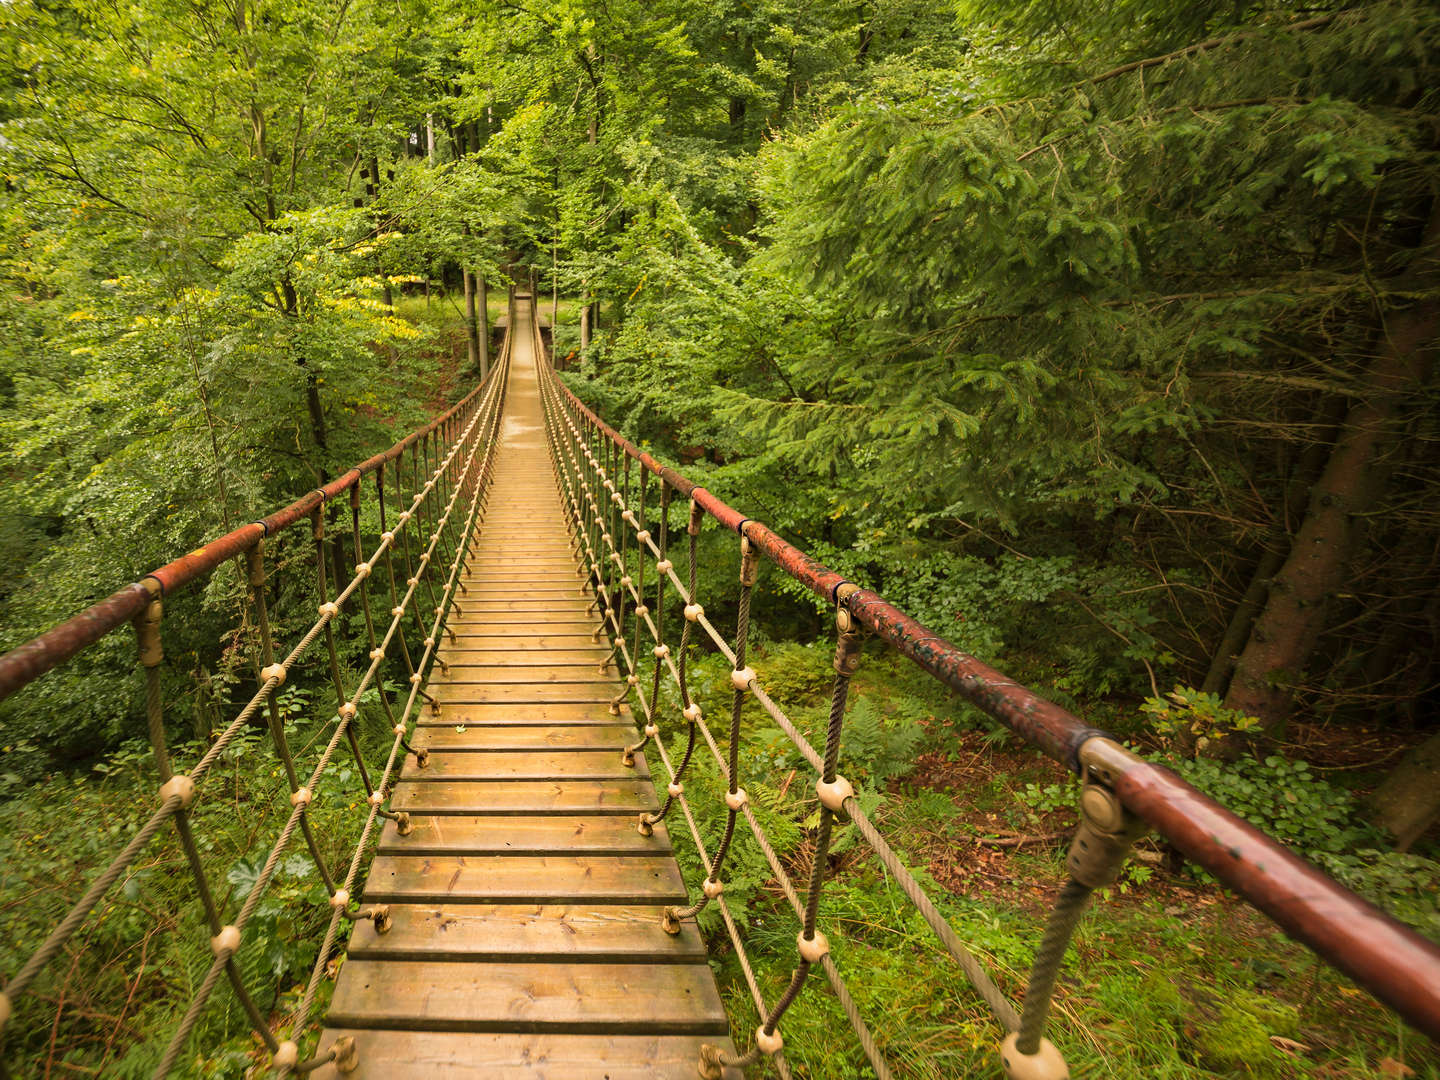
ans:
x=1230 y=1036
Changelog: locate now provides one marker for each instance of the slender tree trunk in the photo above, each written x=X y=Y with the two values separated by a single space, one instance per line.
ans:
x=1241 y=619
x=1275 y=545
x=472 y=332
x=1285 y=633
x=585 y=323
x=483 y=330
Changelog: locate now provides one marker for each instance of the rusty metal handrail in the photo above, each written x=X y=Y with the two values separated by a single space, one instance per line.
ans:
x=1397 y=965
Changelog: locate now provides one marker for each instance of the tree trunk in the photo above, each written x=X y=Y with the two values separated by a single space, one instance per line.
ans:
x=1408 y=802
x=1275 y=544
x=1241 y=619
x=472 y=333
x=585 y=325
x=1285 y=633
x=483 y=330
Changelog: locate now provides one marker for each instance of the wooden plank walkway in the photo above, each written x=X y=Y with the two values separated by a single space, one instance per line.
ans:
x=526 y=940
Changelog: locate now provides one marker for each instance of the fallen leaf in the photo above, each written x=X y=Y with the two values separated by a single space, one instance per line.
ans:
x=1288 y=1046
x=1391 y=1067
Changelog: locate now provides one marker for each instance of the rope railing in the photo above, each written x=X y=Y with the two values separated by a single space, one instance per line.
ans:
x=606 y=485
x=446 y=467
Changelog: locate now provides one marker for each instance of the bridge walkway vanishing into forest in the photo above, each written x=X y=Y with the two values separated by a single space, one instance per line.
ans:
x=523 y=913
x=525 y=906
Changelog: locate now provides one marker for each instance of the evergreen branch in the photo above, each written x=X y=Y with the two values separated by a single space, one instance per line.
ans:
x=1207 y=45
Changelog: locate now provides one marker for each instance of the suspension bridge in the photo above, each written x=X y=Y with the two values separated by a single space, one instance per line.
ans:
x=512 y=905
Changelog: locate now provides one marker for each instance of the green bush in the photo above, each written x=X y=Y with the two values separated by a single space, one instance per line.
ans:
x=1286 y=800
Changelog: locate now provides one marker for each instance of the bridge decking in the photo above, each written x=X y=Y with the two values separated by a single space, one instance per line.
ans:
x=526 y=939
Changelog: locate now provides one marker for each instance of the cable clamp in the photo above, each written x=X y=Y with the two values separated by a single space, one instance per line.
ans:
x=834 y=794
x=180 y=785
x=736 y=799
x=286 y=1056
x=741 y=678
x=813 y=948
x=226 y=942
x=1045 y=1064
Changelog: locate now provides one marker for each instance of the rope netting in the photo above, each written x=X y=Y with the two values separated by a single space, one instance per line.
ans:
x=427 y=512
x=620 y=527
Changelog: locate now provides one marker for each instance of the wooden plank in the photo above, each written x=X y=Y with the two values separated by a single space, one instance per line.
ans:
x=504 y=675
x=538 y=765
x=525 y=879
x=462 y=656
x=385 y=1055
x=506 y=588
x=477 y=604
x=483 y=834
x=496 y=639
x=503 y=714
x=597 y=693
x=517 y=737
x=580 y=999
x=522 y=797
x=524 y=626
x=564 y=933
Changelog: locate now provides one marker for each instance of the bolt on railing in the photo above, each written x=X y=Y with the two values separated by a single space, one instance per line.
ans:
x=1121 y=794
x=447 y=468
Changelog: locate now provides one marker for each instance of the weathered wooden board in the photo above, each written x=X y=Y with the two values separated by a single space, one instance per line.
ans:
x=485 y=834
x=580 y=999
x=525 y=879
x=525 y=694
x=502 y=714
x=519 y=659
x=526 y=737
x=502 y=675
x=565 y=933
x=385 y=1055
x=564 y=765
x=526 y=797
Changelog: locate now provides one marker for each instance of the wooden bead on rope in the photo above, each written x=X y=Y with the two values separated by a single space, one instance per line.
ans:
x=1045 y=1064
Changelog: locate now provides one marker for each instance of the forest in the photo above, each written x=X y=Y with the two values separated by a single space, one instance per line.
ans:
x=1098 y=338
